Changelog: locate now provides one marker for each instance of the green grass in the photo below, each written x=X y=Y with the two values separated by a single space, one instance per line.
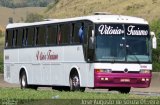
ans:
x=46 y=97
x=16 y=93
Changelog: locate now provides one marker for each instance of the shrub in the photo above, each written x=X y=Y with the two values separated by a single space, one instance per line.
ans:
x=155 y=26
x=32 y=17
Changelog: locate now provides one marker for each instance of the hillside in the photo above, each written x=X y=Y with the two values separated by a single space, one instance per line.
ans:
x=18 y=14
x=148 y=9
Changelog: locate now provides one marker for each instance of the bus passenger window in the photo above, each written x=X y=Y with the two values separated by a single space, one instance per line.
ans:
x=81 y=33
x=59 y=37
x=24 y=37
x=52 y=34
x=65 y=30
x=19 y=37
x=14 y=38
x=9 y=38
x=72 y=34
x=30 y=36
x=41 y=36
x=78 y=32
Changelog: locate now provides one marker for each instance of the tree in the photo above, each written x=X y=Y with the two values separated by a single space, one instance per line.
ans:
x=32 y=17
x=155 y=27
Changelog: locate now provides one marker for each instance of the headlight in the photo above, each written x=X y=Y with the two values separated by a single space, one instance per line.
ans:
x=103 y=70
x=145 y=71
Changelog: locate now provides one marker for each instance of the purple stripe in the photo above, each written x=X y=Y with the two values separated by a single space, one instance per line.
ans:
x=114 y=80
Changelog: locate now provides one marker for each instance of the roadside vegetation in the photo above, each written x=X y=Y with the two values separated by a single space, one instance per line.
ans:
x=52 y=96
x=155 y=27
x=34 y=17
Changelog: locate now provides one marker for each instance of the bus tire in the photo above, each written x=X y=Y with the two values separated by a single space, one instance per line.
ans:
x=23 y=80
x=124 y=90
x=74 y=82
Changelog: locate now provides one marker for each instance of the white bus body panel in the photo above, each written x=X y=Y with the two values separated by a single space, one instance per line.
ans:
x=46 y=65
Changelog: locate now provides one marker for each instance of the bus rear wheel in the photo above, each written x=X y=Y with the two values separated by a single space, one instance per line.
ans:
x=23 y=81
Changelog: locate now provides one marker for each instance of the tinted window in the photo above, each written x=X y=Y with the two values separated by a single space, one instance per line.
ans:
x=65 y=31
x=9 y=34
x=24 y=37
x=41 y=35
x=78 y=32
x=14 y=38
x=19 y=37
x=52 y=34
x=30 y=36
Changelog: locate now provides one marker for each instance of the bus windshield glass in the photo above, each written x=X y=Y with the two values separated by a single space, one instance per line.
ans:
x=122 y=43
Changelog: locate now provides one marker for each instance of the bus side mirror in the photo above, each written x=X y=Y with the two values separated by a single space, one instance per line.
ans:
x=92 y=41
x=154 y=40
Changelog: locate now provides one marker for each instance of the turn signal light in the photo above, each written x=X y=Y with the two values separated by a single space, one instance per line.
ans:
x=103 y=70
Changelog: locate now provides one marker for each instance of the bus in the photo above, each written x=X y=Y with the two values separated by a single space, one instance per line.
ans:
x=101 y=51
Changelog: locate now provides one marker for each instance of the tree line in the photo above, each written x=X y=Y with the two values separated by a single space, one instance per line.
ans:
x=25 y=3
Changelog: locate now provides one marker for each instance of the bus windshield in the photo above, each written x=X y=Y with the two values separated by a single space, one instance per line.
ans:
x=119 y=46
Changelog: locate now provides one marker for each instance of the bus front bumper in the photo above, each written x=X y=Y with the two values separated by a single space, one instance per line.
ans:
x=137 y=80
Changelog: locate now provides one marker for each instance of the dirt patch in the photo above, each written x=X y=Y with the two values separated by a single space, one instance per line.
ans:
x=5 y=84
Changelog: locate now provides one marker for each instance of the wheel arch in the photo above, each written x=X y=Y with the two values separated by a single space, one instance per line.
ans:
x=23 y=69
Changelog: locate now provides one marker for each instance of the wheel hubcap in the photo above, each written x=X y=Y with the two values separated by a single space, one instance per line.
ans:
x=75 y=81
x=23 y=81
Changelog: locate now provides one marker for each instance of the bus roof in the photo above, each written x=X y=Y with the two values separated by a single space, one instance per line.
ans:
x=92 y=18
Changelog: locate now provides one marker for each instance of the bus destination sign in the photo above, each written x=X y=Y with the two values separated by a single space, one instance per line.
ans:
x=131 y=30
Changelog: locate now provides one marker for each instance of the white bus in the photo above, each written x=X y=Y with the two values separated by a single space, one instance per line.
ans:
x=97 y=51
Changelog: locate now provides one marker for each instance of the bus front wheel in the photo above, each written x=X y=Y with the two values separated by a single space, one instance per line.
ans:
x=75 y=83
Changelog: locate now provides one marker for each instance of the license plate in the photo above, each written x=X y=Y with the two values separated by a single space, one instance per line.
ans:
x=125 y=80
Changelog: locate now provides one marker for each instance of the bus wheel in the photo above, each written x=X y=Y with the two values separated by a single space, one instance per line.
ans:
x=124 y=90
x=74 y=82
x=23 y=81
